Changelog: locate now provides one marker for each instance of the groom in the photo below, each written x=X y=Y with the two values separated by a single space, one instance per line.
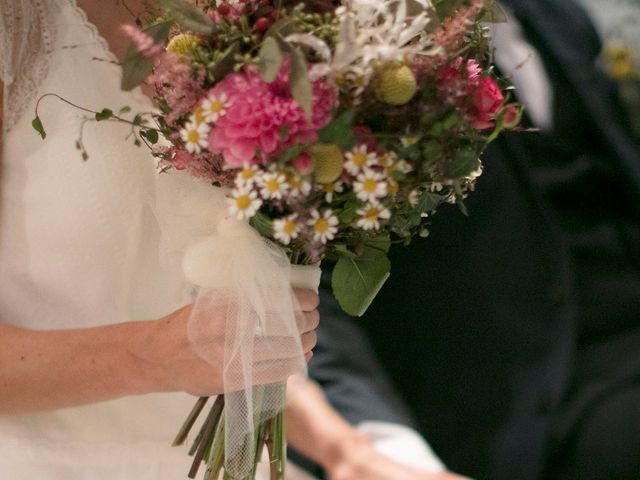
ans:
x=513 y=336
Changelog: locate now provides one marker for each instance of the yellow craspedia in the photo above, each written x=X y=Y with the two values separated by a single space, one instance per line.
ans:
x=618 y=59
x=396 y=86
x=183 y=44
x=328 y=161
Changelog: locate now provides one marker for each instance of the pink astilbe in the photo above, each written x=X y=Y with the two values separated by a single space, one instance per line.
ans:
x=173 y=78
x=176 y=82
x=450 y=37
x=204 y=165
x=146 y=45
x=264 y=119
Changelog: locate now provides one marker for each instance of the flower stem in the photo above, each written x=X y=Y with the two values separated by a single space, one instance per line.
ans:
x=188 y=424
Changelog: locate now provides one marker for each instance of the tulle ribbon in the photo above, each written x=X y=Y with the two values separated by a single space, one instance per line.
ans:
x=244 y=293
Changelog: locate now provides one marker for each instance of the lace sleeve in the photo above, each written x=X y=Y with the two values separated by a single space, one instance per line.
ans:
x=26 y=38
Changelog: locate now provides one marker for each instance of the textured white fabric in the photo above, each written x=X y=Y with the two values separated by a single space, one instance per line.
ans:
x=79 y=248
x=402 y=444
x=26 y=40
x=523 y=66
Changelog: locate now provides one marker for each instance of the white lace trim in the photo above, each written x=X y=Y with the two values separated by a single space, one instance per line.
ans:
x=27 y=40
x=25 y=43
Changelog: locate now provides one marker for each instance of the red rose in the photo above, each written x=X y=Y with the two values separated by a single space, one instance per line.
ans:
x=487 y=100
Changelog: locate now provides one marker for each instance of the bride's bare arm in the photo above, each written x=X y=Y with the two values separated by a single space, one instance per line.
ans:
x=42 y=370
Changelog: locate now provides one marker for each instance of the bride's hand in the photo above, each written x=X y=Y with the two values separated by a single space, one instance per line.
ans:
x=178 y=365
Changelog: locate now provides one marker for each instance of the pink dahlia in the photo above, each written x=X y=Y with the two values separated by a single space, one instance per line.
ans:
x=264 y=119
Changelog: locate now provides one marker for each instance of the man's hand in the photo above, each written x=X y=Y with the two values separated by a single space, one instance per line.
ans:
x=362 y=461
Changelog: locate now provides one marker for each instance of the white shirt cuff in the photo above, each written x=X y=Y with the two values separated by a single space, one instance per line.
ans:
x=402 y=444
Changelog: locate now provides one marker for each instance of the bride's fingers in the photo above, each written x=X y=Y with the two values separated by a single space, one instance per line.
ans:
x=309 y=341
x=308 y=321
x=307 y=299
x=277 y=348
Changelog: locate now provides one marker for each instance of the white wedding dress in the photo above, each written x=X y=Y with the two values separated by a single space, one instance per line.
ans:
x=79 y=247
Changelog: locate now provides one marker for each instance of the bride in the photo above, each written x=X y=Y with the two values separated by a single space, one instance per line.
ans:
x=94 y=354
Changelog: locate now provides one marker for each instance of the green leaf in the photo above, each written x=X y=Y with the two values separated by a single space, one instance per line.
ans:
x=269 y=59
x=188 y=16
x=300 y=83
x=463 y=164
x=382 y=242
x=403 y=224
x=262 y=224
x=36 y=123
x=339 y=131
x=356 y=281
x=151 y=135
x=123 y=110
x=348 y=212
x=226 y=63
x=136 y=67
x=282 y=28
x=460 y=201
x=428 y=202
x=290 y=154
x=104 y=114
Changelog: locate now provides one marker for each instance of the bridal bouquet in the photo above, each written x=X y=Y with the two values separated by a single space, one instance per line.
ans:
x=337 y=128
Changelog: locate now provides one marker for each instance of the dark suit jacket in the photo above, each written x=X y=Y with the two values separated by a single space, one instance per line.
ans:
x=476 y=327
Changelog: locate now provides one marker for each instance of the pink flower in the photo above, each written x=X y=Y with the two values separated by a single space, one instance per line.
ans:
x=487 y=100
x=303 y=164
x=146 y=45
x=511 y=115
x=176 y=82
x=263 y=119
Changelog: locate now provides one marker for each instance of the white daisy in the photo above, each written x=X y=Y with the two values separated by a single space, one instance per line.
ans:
x=244 y=203
x=409 y=140
x=215 y=107
x=404 y=166
x=286 y=229
x=387 y=159
x=436 y=187
x=198 y=115
x=358 y=159
x=273 y=186
x=414 y=197
x=248 y=176
x=195 y=136
x=369 y=186
x=330 y=188
x=370 y=216
x=324 y=226
x=298 y=185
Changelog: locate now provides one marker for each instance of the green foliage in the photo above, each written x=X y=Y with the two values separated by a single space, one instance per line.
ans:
x=428 y=202
x=104 y=114
x=382 y=242
x=339 y=131
x=225 y=63
x=300 y=84
x=465 y=161
x=357 y=280
x=269 y=59
x=151 y=135
x=290 y=154
x=188 y=17
x=136 y=67
x=36 y=123
x=262 y=224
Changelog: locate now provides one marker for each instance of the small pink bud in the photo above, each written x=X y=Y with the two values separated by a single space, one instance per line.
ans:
x=511 y=115
x=303 y=164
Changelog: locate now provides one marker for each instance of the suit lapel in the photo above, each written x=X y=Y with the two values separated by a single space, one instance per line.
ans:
x=575 y=49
